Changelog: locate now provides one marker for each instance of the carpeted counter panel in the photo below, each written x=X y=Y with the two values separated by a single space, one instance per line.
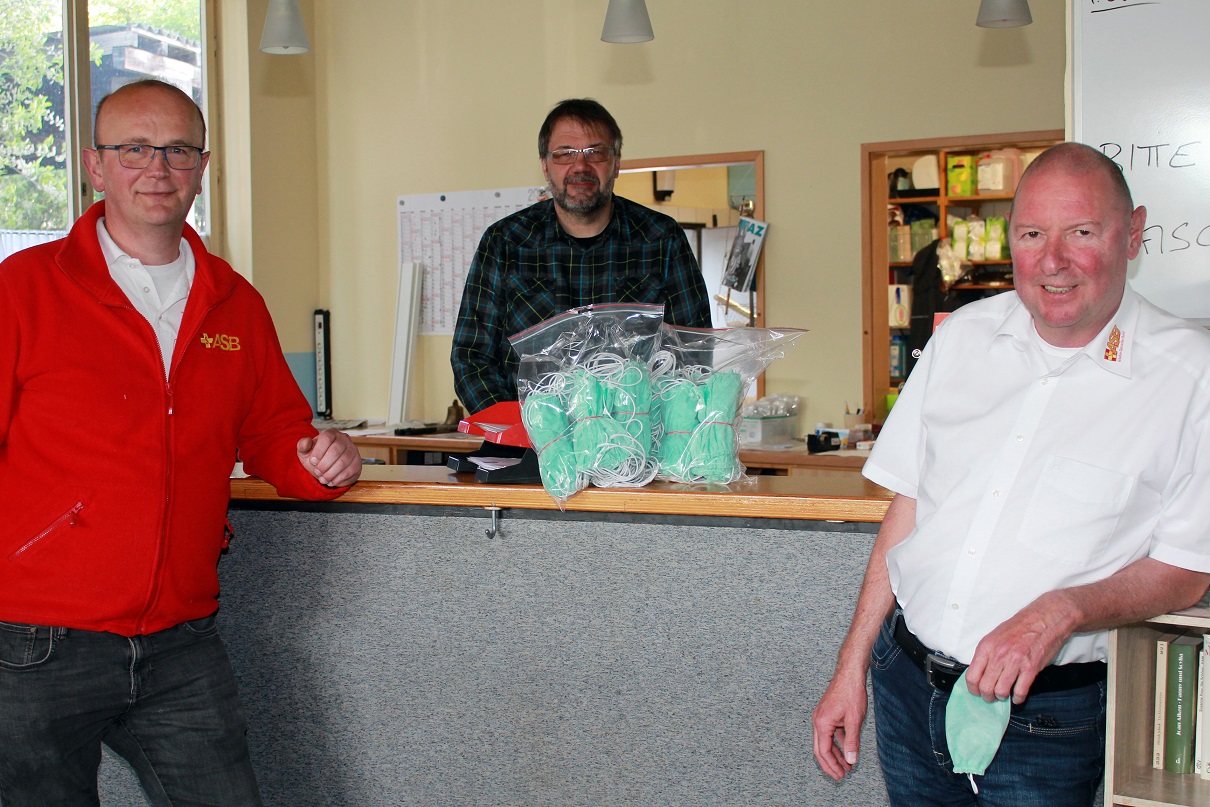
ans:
x=402 y=659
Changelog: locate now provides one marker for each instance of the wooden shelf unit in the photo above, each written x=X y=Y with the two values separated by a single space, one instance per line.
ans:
x=1130 y=781
x=877 y=270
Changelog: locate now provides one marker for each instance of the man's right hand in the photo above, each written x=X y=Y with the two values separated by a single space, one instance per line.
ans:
x=837 y=721
x=840 y=712
x=331 y=457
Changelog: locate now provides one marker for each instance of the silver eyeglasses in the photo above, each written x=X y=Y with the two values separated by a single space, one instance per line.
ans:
x=140 y=155
x=594 y=154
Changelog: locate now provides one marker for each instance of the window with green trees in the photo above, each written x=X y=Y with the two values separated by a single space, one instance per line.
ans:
x=127 y=40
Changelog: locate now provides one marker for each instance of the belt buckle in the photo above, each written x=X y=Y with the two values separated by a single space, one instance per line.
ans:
x=942 y=672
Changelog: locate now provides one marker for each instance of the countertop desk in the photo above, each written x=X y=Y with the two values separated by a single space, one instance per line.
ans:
x=394 y=449
x=814 y=494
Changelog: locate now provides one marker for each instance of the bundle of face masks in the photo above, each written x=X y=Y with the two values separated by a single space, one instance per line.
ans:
x=585 y=389
x=700 y=392
x=612 y=396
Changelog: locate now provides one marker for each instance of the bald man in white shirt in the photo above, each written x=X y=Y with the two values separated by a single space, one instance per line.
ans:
x=1050 y=456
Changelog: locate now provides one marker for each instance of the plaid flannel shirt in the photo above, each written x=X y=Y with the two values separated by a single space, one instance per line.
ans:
x=527 y=269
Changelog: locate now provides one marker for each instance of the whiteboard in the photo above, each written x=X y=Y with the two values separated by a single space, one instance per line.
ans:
x=1141 y=94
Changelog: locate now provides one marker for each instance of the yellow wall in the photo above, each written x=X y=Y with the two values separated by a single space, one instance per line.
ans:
x=695 y=187
x=423 y=96
x=271 y=188
x=700 y=196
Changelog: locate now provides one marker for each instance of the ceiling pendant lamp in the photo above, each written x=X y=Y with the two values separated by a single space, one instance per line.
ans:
x=1003 y=13
x=626 y=22
x=284 y=33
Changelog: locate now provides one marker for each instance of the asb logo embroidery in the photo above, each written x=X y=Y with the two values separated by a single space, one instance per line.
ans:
x=222 y=341
x=1113 y=344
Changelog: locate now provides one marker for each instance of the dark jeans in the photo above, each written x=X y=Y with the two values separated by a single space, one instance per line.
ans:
x=166 y=702
x=1053 y=754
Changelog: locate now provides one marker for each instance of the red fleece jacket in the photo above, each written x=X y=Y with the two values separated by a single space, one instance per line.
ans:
x=113 y=482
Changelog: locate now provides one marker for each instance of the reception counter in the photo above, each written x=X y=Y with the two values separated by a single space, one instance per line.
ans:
x=814 y=494
x=663 y=645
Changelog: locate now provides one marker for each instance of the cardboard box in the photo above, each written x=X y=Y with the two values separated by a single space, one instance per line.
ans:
x=775 y=432
x=960 y=174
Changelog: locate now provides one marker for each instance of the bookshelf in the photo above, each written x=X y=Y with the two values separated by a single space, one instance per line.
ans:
x=1130 y=781
x=879 y=272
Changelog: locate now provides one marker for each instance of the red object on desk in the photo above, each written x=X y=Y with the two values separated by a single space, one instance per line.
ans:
x=499 y=423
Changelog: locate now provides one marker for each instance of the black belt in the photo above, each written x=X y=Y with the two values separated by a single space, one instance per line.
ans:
x=942 y=672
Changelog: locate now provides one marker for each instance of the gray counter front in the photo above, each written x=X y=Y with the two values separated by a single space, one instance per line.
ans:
x=393 y=654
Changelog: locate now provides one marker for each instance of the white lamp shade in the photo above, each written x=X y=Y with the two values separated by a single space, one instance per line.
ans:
x=1003 y=13
x=284 y=33
x=626 y=22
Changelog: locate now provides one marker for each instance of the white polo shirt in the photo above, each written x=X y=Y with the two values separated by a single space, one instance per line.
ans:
x=1033 y=472
x=159 y=293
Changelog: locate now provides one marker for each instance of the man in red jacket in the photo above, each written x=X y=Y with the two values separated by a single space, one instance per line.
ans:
x=163 y=363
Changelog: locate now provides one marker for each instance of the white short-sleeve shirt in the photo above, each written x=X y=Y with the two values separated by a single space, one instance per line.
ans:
x=1032 y=474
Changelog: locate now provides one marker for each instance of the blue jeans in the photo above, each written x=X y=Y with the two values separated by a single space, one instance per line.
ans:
x=1053 y=754
x=166 y=702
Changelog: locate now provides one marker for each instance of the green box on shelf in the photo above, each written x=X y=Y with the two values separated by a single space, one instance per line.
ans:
x=960 y=174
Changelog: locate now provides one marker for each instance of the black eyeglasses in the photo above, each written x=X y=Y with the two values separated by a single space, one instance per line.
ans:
x=140 y=155
x=569 y=156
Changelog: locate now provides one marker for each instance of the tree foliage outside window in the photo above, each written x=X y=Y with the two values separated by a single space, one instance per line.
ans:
x=33 y=174
x=178 y=17
x=33 y=158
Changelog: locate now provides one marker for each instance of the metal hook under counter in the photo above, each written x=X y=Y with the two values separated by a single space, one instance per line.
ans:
x=495 y=530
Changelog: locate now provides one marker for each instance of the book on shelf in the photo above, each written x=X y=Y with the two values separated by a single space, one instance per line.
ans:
x=1181 y=703
x=1161 y=689
x=1201 y=760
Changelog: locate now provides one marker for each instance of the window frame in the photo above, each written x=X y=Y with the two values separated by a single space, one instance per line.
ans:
x=77 y=101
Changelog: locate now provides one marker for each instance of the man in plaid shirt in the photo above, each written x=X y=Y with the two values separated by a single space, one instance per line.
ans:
x=583 y=245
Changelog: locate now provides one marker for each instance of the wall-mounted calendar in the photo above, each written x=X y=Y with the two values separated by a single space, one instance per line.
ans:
x=440 y=231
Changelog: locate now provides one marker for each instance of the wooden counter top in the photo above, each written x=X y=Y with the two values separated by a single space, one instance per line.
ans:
x=810 y=495
x=795 y=460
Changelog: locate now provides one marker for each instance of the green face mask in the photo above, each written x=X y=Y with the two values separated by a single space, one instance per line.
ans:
x=973 y=729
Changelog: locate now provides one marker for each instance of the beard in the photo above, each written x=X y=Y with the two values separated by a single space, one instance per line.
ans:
x=584 y=205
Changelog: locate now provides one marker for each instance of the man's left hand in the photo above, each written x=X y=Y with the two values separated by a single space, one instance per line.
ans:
x=331 y=458
x=1009 y=658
